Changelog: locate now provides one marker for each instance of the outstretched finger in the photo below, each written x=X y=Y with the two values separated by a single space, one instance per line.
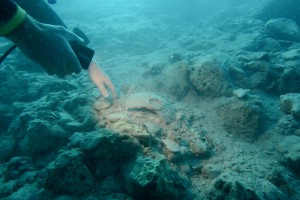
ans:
x=111 y=87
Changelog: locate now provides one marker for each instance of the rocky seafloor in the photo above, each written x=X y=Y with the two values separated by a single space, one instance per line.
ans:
x=210 y=113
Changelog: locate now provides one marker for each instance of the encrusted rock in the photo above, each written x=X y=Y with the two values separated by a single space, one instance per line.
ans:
x=287 y=125
x=290 y=104
x=105 y=151
x=42 y=136
x=152 y=176
x=243 y=118
x=68 y=174
x=209 y=78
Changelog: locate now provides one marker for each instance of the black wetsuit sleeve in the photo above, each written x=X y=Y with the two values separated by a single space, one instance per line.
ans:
x=7 y=9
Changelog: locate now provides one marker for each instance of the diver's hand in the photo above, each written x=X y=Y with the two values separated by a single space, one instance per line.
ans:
x=48 y=45
x=101 y=80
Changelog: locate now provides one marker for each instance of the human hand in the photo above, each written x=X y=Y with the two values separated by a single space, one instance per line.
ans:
x=101 y=80
x=48 y=45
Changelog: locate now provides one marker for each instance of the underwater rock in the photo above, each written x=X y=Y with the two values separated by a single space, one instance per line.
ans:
x=172 y=150
x=259 y=74
x=231 y=186
x=284 y=29
x=153 y=129
x=137 y=131
x=273 y=9
x=7 y=145
x=292 y=158
x=289 y=80
x=42 y=136
x=287 y=143
x=105 y=151
x=154 y=69
x=6 y=116
x=211 y=171
x=209 y=79
x=27 y=192
x=290 y=104
x=241 y=93
x=238 y=75
x=242 y=118
x=287 y=125
x=18 y=166
x=198 y=148
x=152 y=176
x=175 y=57
x=149 y=102
x=175 y=80
x=293 y=54
x=253 y=42
x=68 y=174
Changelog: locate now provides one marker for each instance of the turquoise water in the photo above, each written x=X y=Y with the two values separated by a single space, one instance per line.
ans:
x=207 y=105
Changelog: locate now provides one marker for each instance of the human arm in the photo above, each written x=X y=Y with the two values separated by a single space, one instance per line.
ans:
x=46 y=44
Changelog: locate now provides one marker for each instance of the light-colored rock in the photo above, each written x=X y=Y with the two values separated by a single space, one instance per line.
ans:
x=241 y=93
x=171 y=145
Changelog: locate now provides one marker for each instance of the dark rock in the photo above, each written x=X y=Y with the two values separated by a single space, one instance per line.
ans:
x=289 y=80
x=42 y=136
x=68 y=174
x=232 y=188
x=7 y=146
x=152 y=176
x=105 y=151
x=17 y=166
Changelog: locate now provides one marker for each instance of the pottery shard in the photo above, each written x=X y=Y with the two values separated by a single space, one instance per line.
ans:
x=146 y=101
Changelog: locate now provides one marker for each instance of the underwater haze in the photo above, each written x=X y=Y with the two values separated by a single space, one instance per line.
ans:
x=207 y=105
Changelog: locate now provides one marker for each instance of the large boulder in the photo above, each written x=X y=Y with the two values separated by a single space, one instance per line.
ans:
x=68 y=174
x=152 y=176
x=284 y=29
x=42 y=136
x=209 y=78
x=273 y=9
x=105 y=151
x=242 y=118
